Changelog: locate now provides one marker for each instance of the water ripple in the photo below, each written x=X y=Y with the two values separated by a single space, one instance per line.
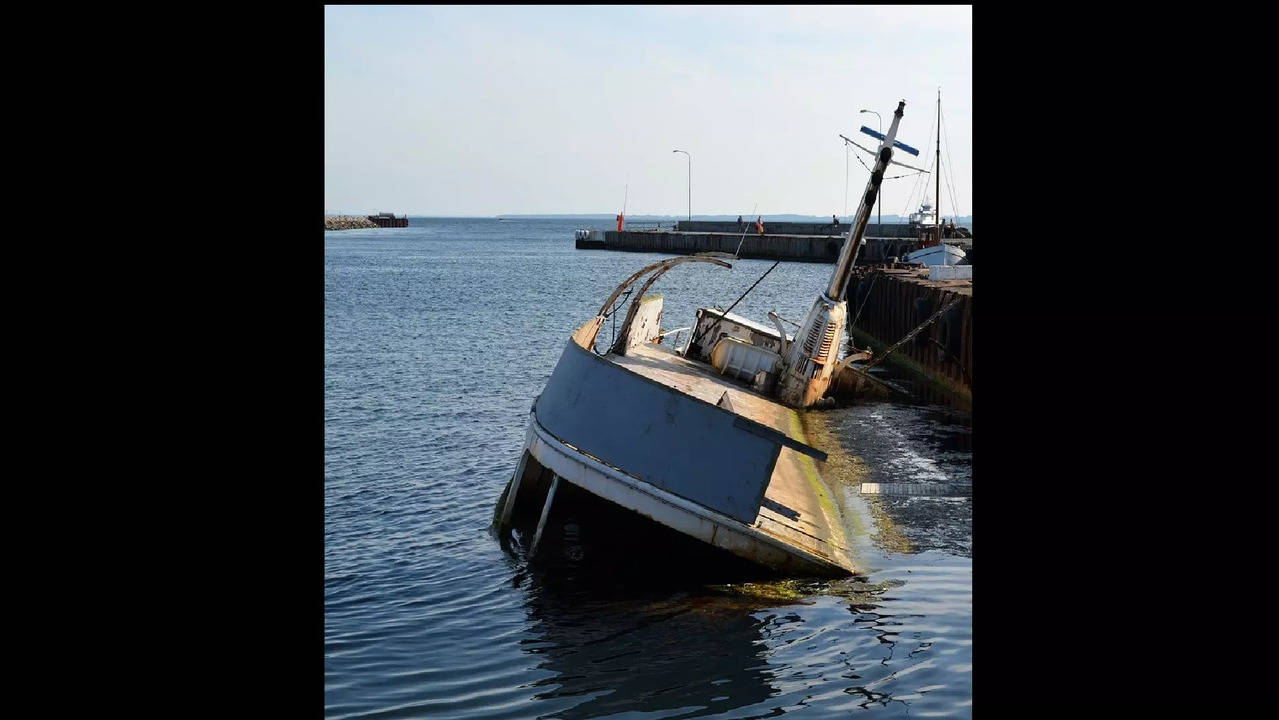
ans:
x=437 y=339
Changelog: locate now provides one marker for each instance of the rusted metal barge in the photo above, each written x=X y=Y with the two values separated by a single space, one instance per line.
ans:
x=705 y=439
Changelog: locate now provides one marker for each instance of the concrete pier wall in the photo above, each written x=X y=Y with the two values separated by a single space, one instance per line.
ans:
x=771 y=246
x=895 y=230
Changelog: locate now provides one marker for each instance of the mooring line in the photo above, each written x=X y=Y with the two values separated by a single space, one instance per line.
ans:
x=953 y=301
x=699 y=336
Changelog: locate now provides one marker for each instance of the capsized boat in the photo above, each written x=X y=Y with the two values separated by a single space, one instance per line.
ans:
x=705 y=439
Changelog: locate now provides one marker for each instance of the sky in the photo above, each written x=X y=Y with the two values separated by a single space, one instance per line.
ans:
x=491 y=110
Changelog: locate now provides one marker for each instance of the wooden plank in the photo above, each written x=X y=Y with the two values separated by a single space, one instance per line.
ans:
x=546 y=511
x=508 y=509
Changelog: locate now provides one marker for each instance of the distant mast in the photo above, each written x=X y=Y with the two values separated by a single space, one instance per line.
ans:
x=937 y=192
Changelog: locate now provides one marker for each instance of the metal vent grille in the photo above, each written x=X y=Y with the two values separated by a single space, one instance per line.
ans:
x=827 y=339
x=811 y=341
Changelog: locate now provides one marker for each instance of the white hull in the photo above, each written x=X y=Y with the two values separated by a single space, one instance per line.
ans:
x=936 y=255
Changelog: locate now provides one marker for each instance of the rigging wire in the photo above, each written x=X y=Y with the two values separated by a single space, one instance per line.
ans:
x=613 y=325
x=916 y=187
x=737 y=252
x=921 y=186
x=950 y=167
x=891 y=177
x=715 y=324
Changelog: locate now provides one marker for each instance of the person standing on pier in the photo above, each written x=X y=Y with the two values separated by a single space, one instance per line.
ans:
x=739 y=223
x=619 y=222
x=834 y=220
x=759 y=224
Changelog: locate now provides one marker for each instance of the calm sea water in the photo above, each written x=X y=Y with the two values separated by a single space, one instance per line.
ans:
x=437 y=338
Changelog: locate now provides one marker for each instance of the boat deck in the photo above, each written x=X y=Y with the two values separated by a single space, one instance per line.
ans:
x=798 y=507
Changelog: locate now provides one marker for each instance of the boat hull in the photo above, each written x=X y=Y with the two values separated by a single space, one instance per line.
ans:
x=936 y=255
x=670 y=510
x=668 y=439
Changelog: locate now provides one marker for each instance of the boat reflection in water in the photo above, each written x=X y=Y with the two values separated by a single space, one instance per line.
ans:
x=721 y=651
x=622 y=618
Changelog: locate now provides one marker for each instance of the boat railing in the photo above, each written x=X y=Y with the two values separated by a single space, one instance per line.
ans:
x=677 y=332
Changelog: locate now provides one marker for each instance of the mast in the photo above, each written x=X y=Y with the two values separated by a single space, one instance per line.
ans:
x=808 y=363
x=857 y=228
x=937 y=201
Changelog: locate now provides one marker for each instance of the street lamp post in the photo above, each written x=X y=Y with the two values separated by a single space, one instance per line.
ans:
x=879 y=125
x=690 y=183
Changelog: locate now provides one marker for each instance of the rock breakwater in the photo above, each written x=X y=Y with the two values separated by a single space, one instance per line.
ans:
x=348 y=222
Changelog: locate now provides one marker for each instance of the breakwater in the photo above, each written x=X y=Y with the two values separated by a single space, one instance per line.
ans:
x=888 y=303
x=873 y=230
x=365 y=222
x=769 y=246
x=348 y=222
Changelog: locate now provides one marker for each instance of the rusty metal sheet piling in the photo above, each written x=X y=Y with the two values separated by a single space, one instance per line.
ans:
x=896 y=302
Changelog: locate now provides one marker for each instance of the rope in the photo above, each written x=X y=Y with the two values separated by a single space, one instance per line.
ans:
x=698 y=336
x=950 y=164
x=892 y=177
x=953 y=301
x=613 y=325
x=911 y=196
x=745 y=227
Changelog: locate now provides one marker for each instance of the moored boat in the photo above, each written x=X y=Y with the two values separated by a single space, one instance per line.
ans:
x=943 y=254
